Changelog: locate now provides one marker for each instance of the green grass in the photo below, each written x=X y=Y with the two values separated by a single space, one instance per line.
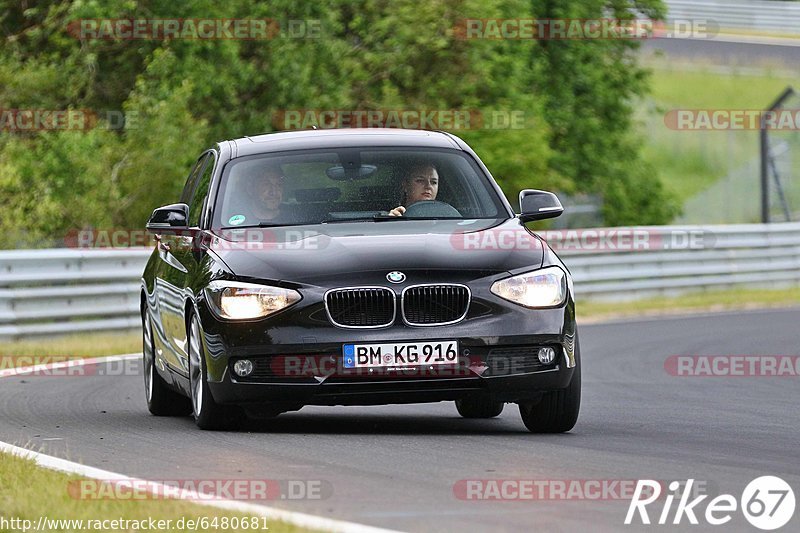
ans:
x=689 y=162
x=86 y=345
x=732 y=299
x=698 y=88
x=58 y=349
x=28 y=491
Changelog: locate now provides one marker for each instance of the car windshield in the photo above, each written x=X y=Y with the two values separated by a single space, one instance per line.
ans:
x=341 y=185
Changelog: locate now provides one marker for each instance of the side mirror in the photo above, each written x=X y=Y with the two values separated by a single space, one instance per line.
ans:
x=538 y=205
x=169 y=217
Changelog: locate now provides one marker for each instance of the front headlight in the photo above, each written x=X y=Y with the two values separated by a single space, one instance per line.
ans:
x=247 y=301
x=541 y=288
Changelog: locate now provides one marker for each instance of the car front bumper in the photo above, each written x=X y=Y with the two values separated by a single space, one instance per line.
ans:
x=497 y=359
x=512 y=388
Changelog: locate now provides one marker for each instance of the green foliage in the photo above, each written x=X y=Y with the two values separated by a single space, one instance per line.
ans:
x=156 y=154
x=180 y=95
x=52 y=186
x=589 y=88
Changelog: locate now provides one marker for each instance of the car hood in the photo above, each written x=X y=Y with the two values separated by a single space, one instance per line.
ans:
x=359 y=251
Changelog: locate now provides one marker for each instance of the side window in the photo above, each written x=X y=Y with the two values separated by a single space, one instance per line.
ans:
x=201 y=191
x=191 y=181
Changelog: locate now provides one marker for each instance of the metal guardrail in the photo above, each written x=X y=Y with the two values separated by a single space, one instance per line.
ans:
x=742 y=255
x=763 y=15
x=44 y=292
x=58 y=291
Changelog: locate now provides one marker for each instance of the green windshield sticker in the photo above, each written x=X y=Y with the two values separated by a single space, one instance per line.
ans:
x=235 y=220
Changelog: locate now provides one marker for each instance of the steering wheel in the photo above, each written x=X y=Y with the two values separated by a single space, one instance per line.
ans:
x=431 y=208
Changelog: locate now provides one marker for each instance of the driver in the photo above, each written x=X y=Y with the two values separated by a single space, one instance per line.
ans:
x=420 y=184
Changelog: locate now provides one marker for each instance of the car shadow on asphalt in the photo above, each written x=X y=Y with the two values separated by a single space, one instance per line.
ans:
x=301 y=423
x=346 y=422
x=380 y=424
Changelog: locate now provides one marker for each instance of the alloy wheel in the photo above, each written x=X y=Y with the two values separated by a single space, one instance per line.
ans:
x=195 y=367
x=148 y=357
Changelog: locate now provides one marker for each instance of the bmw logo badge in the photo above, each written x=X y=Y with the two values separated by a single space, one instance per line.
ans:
x=396 y=277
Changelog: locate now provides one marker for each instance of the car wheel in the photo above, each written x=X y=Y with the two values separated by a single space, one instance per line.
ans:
x=161 y=400
x=208 y=414
x=556 y=411
x=479 y=408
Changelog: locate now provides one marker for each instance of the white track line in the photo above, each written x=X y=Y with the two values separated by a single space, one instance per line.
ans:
x=62 y=465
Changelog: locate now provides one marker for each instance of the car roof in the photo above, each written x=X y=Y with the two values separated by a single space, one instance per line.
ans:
x=341 y=138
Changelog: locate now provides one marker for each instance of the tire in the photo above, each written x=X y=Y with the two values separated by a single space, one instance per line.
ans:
x=557 y=411
x=161 y=400
x=479 y=408
x=207 y=413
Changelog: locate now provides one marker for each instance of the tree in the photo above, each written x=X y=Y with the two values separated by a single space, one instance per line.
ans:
x=574 y=99
x=589 y=88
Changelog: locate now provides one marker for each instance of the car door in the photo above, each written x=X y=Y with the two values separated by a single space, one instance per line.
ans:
x=183 y=262
x=168 y=294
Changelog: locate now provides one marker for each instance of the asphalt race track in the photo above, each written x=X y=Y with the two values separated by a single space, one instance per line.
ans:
x=396 y=466
x=725 y=52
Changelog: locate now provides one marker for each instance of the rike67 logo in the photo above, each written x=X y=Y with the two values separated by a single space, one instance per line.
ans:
x=767 y=502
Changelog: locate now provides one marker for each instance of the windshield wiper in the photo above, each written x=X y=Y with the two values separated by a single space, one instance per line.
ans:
x=264 y=225
x=382 y=218
x=340 y=220
x=376 y=218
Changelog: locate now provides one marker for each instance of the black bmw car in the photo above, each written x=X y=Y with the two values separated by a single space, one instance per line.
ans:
x=355 y=267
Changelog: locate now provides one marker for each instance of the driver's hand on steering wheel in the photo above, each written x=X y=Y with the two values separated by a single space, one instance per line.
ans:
x=397 y=211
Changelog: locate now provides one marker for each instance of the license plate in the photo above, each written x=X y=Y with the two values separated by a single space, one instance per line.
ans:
x=400 y=354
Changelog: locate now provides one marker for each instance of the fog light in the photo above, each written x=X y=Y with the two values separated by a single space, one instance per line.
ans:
x=546 y=355
x=244 y=367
